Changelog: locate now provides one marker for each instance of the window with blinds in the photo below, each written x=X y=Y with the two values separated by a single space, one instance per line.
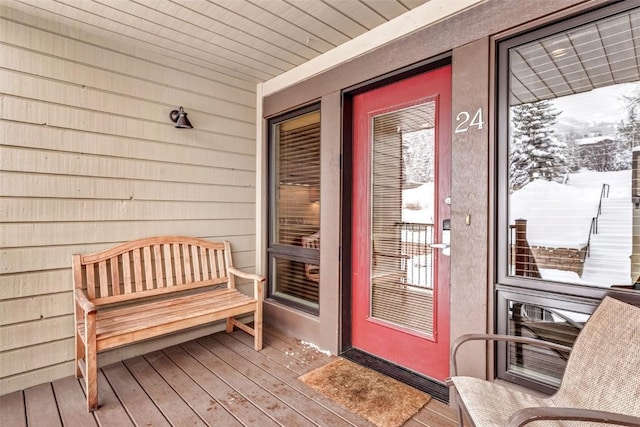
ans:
x=569 y=205
x=294 y=244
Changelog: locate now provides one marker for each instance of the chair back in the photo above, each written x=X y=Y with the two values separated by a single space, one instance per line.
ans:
x=603 y=370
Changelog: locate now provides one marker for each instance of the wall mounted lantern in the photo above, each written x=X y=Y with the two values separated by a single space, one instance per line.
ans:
x=179 y=117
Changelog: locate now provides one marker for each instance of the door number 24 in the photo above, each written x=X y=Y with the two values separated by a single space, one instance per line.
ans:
x=465 y=121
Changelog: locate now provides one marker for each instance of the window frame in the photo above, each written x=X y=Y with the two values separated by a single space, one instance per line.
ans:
x=281 y=251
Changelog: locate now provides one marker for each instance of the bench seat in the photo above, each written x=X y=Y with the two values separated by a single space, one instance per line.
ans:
x=136 y=322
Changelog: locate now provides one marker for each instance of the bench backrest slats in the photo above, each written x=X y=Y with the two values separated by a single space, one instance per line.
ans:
x=157 y=256
x=187 y=263
x=195 y=263
x=212 y=261
x=148 y=271
x=126 y=270
x=104 y=283
x=168 y=265
x=178 y=265
x=91 y=283
x=115 y=276
x=137 y=270
x=204 y=261
x=222 y=268
x=152 y=267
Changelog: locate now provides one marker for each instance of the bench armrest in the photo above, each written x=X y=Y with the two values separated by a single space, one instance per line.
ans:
x=244 y=275
x=257 y=281
x=494 y=337
x=83 y=301
x=527 y=415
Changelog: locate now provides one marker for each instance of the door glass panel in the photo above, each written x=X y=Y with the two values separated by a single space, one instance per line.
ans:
x=402 y=217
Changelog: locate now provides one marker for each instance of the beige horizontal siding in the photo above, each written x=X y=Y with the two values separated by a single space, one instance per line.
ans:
x=35 y=184
x=28 y=333
x=89 y=159
x=22 y=260
x=26 y=159
x=16 y=286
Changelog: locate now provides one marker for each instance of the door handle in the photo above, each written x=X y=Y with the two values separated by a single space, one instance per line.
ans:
x=439 y=245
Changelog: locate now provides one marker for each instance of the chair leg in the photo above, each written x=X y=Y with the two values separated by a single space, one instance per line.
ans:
x=229 y=325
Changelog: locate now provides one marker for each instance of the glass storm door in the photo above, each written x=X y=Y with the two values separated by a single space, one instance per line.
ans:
x=400 y=255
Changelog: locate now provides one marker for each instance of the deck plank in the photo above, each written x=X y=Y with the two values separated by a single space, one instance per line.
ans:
x=258 y=396
x=288 y=376
x=177 y=412
x=201 y=402
x=72 y=403
x=436 y=414
x=229 y=398
x=110 y=410
x=138 y=405
x=13 y=410
x=42 y=409
x=301 y=403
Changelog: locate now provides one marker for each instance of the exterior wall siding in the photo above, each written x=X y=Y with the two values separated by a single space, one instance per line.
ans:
x=89 y=159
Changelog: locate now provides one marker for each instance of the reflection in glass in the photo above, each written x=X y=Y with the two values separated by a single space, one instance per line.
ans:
x=549 y=324
x=574 y=138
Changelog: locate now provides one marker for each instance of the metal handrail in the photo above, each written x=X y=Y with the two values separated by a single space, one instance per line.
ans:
x=593 y=229
x=604 y=194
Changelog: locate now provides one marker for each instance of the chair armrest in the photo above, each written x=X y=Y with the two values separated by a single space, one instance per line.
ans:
x=83 y=301
x=494 y=337
x=527 y=415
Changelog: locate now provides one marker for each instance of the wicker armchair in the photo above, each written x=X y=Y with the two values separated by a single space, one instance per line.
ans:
x=601 y=383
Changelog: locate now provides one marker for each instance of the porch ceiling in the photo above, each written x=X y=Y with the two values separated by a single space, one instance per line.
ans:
x=253 y=40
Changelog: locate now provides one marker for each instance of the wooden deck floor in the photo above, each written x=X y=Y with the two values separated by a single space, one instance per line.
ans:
x=218 y=380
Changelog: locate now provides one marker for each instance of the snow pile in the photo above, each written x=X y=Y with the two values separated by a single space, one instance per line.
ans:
x=559 y=216
x=422 y=198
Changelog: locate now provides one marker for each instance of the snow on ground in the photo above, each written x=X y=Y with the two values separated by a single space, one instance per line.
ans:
x=559 y=215
x=561 y=276
x=421 y=196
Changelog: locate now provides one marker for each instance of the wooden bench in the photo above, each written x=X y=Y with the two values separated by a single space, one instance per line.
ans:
x=151 y=287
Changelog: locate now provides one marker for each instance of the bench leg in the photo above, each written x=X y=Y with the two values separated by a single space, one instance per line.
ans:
x=79 y=353
x=257 y=328
x=229 y=325
x=91 y=358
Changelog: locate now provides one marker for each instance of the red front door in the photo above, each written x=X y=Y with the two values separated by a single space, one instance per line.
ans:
x=401 y=188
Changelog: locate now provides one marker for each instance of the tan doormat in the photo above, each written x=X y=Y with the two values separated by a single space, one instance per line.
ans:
x=382 y=400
